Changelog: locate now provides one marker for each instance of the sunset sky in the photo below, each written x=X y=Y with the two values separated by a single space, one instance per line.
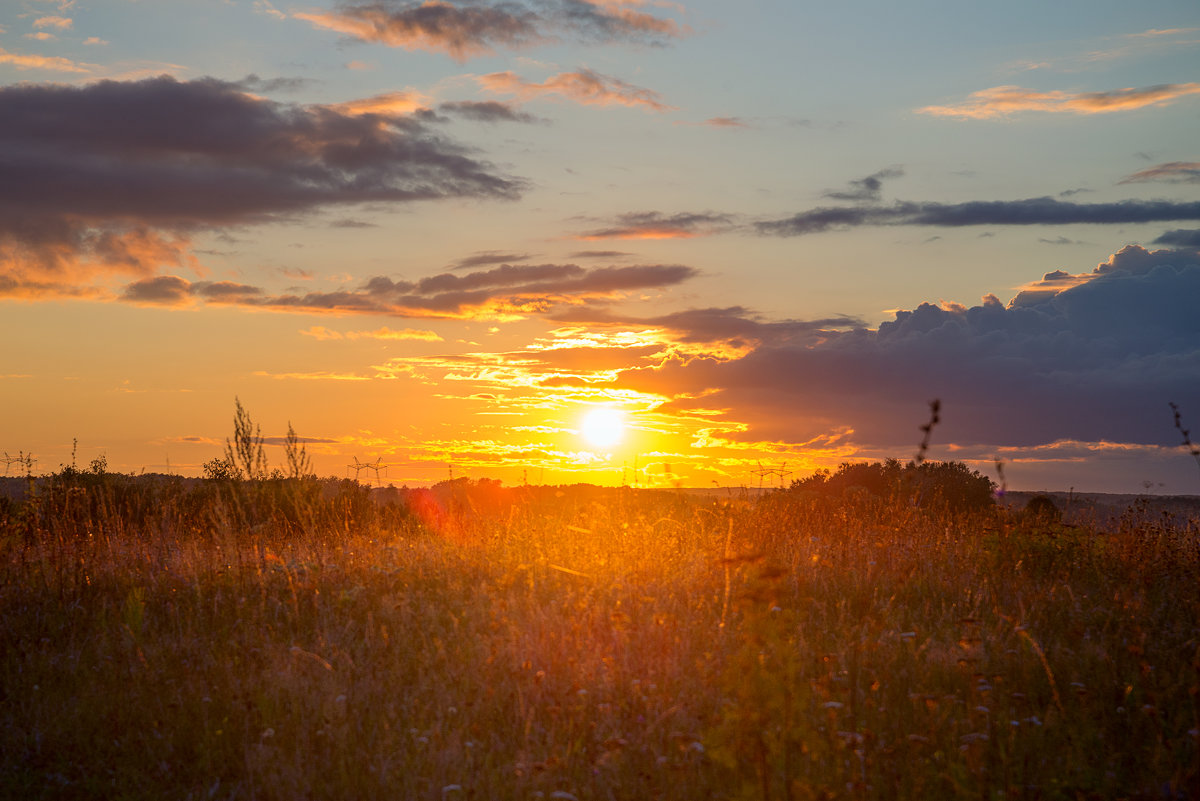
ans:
x=438 y=234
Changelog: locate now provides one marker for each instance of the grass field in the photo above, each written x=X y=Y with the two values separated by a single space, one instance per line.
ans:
x=244 y=642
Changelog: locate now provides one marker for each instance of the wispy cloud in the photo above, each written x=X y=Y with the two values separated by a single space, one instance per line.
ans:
x=656 y=225
x=487 y=257
x=504 y=292
x=1001 y=101
x=50 y=63
x=866 y=189
x=489 y=111
x=321 y=333
x=58 y=23
x=1173 y=172
x=1115 y=48
x=464 y=30
x=583 y=86
x=1031 y=211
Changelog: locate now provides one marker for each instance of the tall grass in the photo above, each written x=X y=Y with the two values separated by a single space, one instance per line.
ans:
x=590 y=645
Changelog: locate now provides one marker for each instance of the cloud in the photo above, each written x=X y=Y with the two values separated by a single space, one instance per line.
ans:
x=322 y=334
x=389 y=104
x=1110 y=49
x=486 y=257
x=266 y=8
x=1031 y=211
x=1173 y=172
x=466 y=29
x=868 y=188
x=504 y=292
x=600 y=254
x=1093 y=357
x=656 y=225
x=1180 y=238
x=51 y=63
x=584 y=86
x=58 y=23
x=719 y=122
x=1000 y=101
x=116 y=177
x=486 y=111
x=253 y=83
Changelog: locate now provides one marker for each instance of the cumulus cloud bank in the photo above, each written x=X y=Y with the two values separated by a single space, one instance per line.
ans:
x=114 y=177
x=1091 y=358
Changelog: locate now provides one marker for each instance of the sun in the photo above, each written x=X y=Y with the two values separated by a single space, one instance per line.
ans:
x=603 y=427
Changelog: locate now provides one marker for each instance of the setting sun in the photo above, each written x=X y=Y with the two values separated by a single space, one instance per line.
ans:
x=603 y=427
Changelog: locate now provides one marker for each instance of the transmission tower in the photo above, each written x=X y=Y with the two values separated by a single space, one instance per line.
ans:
x=22 y=458
x=762 y=473
x=358 y=467
x=783 y=473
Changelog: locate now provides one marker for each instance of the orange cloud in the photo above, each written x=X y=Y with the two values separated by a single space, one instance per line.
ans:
x=322 y=333
x=467 y=30
x=53 y=63
x=61 y=23
x=585 y=86
x=1001 y=101
x=389 y=104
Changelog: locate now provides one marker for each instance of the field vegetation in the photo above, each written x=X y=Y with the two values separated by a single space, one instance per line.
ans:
x=287 y=637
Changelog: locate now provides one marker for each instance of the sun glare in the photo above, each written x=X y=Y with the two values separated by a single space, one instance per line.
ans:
x=603 y=427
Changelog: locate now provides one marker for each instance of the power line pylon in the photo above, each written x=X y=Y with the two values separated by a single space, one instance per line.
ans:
x=358 y=467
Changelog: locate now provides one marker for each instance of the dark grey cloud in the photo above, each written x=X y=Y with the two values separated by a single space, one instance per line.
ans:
x=1095 y=358
x=487 y=111
x=866 y=189
x=656 y=225
x=487 y=257
x=253 y=83
x=600 y=254
x=509 y=289
x=116 y=176
x=1180 y=238
x=1032 y=211
x=465 y=28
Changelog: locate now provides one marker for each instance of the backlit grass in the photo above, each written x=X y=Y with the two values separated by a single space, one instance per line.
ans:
x=595 y=645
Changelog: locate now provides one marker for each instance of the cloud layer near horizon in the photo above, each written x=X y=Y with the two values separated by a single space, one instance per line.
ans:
x=1091 y=358
x=505 y=292
x=114 y=177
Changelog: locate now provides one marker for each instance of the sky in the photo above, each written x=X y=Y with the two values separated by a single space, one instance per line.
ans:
x=648 y=242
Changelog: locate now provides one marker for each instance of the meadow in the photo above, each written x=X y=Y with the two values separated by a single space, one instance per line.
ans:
x=295 y=638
